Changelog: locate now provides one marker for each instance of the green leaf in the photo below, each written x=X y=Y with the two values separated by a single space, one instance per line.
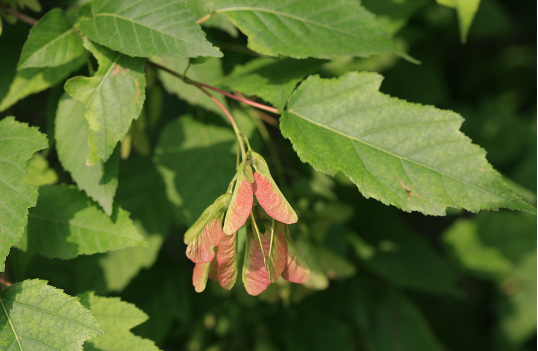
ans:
x=36 y=316
x=33 y=80
x=52 y=42
x=141 y=28
x=65 y=224
x=208 y=72
x=271 y=79
x=203 y=7
x=466 y=10
x=402 y=154
x=112 y=98
x=116 y=317
x=39 y=172
x=71 y=133
x=18 y=142
x=393 y=15
x=197 y=162
x=314 y=28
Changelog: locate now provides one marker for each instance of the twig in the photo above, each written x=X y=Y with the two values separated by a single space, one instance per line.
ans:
x=5 y=282
x=24 y=18
x=195 y=83
x=204 y=18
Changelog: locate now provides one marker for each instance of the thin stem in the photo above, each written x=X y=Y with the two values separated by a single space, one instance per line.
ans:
x=4 y=282
x=240 y=99
x=24 y=18
x=198 y=84
x=204 y=18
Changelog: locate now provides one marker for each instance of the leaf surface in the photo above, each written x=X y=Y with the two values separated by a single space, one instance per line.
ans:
x=302 y=29
x=241 y=203
x=37 y=316
x=116 y=317
x=112 y=98
x=197 y=162
x=408 y=155
x=271 y=79
x=65 y=224
x=33 y=80
x=52 y=42
x=18 y=142
x=142 y=28
x=203 y=7
x=71 y=133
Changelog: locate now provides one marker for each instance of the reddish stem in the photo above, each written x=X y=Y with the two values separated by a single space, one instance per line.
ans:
x=26 y=19
x=5 y=282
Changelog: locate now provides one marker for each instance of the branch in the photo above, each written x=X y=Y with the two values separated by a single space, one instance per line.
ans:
x=199 y=85
x=21 y=16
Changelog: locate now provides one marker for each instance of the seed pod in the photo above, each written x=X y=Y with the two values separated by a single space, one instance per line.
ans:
x=241 y=203
x=278 y=250
x=296 y=269
x=200 y=274
x=268 y=194
x=255 y=275
x=227 y=260
x=206 y=232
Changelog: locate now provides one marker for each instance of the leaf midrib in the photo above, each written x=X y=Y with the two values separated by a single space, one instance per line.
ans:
x=11 y=323
x=283 y=14
x=393 y=154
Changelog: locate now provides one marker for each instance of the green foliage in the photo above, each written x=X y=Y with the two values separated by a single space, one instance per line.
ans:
x=263 y=112
x=18 y=142
x=35 y=314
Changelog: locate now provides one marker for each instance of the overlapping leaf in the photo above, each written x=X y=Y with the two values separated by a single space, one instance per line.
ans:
x=116 y=317
x=314 y=28
x=407 y=155
x=142 y=28
x=65 y=224
x=37 y=316
x=203 y=7
x=271 y=79
x=18 y=142
x=112 y=98
x=52 y=42
x=33 y=80
x=71 y=133
x=197 y=162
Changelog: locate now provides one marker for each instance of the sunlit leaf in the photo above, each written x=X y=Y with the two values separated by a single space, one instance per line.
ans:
x=407 y=155
x=112 y=98
x=141 y=28
x=52 y=42
x=35 y=314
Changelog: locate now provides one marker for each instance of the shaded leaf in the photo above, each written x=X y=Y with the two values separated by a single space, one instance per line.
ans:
x=18 y=142
x=71 y=134
x=208 y=72
x=466 y=10
x=39 y=172
x=35 y=314
x=112 y=98
x=33 y=80
x=52 y=42
x=403 y=154
x=140 y=28
x=301 y=29
x=393 y=15
x=197 y=162
x=203 y=7
x=65 y=224
x=241 y=203
x=116 y=317
x=271 y=79
x=227 y=261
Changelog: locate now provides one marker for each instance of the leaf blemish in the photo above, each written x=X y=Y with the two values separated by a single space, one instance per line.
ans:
x=408 y=190
x=116 y=70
